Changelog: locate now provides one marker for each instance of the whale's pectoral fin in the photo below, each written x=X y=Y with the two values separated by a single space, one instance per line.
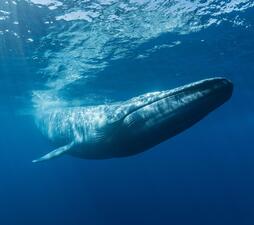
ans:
x=57 y=152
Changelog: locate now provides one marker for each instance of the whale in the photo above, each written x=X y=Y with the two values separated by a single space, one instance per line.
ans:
x=130 y=127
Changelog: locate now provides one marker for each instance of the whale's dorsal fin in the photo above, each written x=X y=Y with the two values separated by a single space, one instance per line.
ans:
x=55 y=153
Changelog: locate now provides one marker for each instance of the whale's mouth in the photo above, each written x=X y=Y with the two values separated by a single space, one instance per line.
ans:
x=207 y=94
x=188 y=102
x=214 y=89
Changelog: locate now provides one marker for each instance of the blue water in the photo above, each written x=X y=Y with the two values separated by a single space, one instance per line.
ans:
x=58 y=53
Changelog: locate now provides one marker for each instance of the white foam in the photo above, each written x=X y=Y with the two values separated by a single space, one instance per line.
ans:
x=78 y=15
x=51 y=4
x=4 y=15
x=30 y=40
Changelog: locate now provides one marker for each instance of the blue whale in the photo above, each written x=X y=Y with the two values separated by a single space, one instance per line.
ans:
x=133 y=126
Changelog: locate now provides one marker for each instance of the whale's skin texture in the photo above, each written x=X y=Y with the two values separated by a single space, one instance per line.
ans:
x=133 y=126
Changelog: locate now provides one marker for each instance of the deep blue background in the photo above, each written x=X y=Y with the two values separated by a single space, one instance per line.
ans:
x=203 y=176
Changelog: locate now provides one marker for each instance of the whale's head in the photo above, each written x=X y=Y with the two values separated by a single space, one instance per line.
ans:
x=167 y=113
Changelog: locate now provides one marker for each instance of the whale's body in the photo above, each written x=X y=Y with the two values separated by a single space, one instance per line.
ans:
x=130 y=127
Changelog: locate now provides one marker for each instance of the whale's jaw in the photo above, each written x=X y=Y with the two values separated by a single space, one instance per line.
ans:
x=172 y=113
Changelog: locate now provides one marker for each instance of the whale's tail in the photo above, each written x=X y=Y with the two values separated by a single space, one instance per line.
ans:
x=55 y=153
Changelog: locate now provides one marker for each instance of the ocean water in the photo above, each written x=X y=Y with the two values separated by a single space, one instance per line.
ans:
x=58 y=53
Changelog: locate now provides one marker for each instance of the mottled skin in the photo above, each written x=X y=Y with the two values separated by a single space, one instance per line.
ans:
x=133 y=126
